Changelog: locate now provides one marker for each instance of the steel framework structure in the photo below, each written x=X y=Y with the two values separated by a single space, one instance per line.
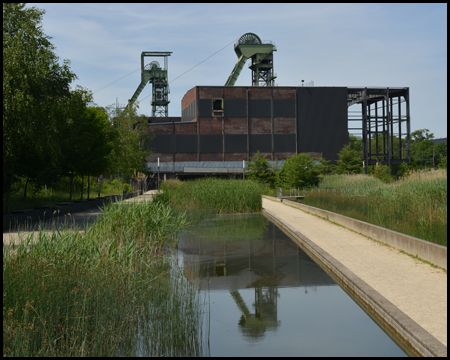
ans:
x=248 y=46
x=385 y=118
x=153 y=73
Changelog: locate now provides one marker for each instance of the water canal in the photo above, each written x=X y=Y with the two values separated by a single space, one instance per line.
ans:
x=266 y=297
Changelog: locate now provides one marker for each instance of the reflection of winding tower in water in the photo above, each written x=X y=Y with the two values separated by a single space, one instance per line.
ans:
x=263 y=265
x=265 y=316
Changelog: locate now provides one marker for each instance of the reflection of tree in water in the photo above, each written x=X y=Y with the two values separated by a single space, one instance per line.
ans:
x=255 y=325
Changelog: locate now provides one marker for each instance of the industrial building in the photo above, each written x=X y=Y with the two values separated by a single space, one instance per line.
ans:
x=222 y=126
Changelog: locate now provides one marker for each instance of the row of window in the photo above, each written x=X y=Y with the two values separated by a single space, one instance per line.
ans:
x=215 y=143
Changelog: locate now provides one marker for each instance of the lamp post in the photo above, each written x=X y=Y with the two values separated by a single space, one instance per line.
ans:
x=158 y=174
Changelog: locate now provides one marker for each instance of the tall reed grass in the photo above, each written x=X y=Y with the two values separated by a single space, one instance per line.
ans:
x=213 y=196
x=415 y=205
x=111 y=291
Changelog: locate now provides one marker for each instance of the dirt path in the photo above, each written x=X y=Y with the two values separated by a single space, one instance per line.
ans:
x=80 y=219
x=416 y=288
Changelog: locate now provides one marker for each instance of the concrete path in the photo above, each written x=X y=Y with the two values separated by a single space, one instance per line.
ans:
x=416 y=288
x=79 y=220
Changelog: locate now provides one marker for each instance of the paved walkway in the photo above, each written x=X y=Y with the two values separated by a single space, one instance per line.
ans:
x=416 y=288
x=78 y=219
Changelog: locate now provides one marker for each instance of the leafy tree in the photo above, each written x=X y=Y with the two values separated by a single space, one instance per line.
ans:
x=299 y=171
x=323 y=167
x=422 y=150
x=355 y=143
x=350 y=161
x=33 y=86
x=98 y=142
x=443 y=163
x=280 y=178
x=86 y=138
x=131 y=146
x=261 y=170
x=421 y=135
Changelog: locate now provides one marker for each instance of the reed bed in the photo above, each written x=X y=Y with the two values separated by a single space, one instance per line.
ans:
x=213 y=196
x=111 y=291
x=415 y=205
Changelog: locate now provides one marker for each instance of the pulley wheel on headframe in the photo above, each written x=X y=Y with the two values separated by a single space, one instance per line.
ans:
x=152 y=65
x=249 y=39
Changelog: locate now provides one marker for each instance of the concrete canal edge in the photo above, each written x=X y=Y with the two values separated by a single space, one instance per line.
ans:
x=425 y=250
x=30 y=216
x=409 y=335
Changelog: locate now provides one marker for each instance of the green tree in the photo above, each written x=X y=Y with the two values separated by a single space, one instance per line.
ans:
x=280 y=178
x=300 y=171
x=261 y=170
x=355 y=143
x=98 y=143
x=86 y=138
x=34 y=85
x=131 y=147
x=350 y=161
x=443 y=163
x=421 y=135
x=323 y=167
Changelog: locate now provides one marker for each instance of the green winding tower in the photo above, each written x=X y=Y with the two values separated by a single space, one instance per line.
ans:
x=248 y=46
x=153 y=73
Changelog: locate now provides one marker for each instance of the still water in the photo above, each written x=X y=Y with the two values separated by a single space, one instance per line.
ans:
x=266 y=297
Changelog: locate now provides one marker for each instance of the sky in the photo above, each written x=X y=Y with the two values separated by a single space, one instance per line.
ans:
x=353 y=45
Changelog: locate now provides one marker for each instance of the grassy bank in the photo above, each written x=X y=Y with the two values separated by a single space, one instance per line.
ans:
x=111 y=291
x=60 y=193
x=415 y=205
x=212 y=196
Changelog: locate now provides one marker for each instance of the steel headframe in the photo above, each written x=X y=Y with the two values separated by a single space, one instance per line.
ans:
x=153 y=73
x=381 y=111
x=248 y=46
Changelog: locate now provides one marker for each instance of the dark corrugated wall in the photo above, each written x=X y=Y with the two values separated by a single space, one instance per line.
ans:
x=322 y=122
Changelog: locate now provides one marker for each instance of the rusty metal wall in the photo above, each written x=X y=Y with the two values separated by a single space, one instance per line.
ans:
x=277 y=121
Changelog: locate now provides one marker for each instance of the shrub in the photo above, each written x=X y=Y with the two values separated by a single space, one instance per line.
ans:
x=382 y=172
x=299 y=171
x=349 y=162
x=261 y=170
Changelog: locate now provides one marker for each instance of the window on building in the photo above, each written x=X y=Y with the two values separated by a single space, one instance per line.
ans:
x=217 y=107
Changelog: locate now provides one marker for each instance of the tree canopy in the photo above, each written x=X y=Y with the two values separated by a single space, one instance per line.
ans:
x=261 y=170
x=350 y=161
x=299 y=170
x=34 y=88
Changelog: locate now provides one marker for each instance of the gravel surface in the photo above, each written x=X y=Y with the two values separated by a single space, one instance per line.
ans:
x=416 y=288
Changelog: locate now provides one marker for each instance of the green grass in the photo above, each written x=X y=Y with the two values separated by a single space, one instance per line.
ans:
x=212 y=196
x=415 y=205
x=114 y=290
x=60 y=193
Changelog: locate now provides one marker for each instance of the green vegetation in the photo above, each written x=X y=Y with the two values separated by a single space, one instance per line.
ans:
x=230 y=228
x=260 y=170
x=41 y=196
x=299 y=171
x=415 y=205
x=51 y=131
x=111 y=291
x=350 y=161
x=212 y=196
